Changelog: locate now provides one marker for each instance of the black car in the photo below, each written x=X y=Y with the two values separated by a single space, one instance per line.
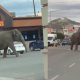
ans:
x=66 y=42
x=38 y=44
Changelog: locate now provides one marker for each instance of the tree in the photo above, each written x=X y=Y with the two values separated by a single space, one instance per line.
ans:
x=60 y=36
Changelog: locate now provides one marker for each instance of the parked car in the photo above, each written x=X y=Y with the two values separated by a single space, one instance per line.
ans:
x=52 y=39
x=38 y=44
x=66 y=42
x=18 y=46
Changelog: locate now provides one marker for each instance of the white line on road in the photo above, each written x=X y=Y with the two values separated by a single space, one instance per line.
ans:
x=70 y=66
x=55 y=77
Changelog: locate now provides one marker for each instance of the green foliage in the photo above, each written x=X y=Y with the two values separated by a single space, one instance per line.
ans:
x=60 y=36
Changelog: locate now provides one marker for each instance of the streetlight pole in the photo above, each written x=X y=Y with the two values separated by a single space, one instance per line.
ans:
x=50 y=16
x=34 y=8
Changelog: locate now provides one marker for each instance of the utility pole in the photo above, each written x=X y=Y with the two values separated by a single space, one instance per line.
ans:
x=34 y=8
x=44 y=4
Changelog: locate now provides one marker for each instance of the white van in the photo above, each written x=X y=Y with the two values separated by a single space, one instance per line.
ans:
x=52 y=39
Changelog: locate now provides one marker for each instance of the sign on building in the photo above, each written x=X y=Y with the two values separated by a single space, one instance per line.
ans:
x=1 y=23
x=71 y=29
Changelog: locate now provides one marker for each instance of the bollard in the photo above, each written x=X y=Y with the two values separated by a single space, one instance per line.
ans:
x=27 y=45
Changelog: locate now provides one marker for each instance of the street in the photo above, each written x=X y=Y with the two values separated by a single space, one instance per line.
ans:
x=63 y=64
x=28 y=66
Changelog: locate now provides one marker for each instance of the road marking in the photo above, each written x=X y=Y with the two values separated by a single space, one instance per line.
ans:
x=55 y=77
x=70 y=66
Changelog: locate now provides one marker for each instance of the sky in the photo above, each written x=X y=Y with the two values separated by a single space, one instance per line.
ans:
x=64 y=8
x=21 y=7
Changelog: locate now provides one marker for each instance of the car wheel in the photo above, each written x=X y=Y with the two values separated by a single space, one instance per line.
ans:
x=21 y=52
x=31 y=48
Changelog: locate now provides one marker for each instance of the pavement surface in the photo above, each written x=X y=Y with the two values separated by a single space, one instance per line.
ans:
x=63 y=64
x=28 y=66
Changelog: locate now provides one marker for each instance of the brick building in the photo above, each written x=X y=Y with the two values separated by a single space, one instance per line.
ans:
x=31 y=27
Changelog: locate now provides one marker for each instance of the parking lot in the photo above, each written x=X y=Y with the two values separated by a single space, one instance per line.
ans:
x=28 y=66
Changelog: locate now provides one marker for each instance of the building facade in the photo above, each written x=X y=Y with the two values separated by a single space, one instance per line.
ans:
x=30 y=27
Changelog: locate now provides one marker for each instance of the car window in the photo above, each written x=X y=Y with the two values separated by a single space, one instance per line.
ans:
x=49 y=38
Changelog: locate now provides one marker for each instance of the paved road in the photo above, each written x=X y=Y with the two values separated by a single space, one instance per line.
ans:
x=64 y=64
x=28 y=66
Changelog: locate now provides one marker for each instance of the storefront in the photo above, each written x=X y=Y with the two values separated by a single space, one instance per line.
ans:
x=30 y=27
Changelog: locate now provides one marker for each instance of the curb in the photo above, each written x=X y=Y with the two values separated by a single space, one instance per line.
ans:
x=6 y=78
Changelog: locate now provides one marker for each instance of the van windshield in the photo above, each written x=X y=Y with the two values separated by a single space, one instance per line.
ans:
x=50 y=38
